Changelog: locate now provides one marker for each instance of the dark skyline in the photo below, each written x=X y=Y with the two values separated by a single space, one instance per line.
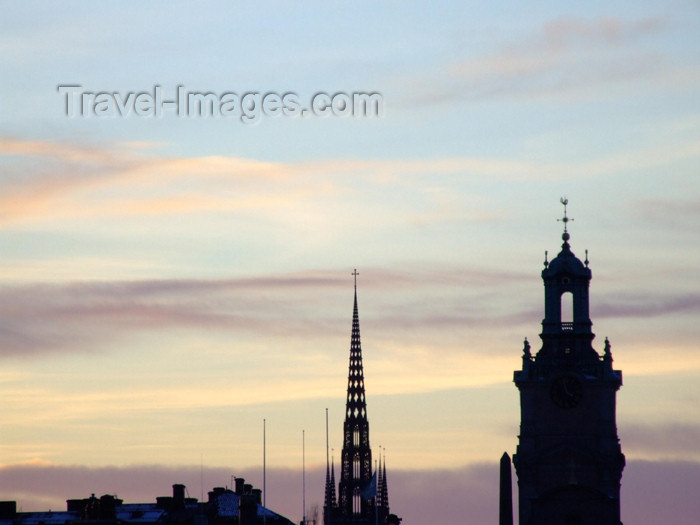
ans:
x=168 y=282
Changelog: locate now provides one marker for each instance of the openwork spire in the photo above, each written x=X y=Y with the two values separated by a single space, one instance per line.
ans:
x=355 y=406
x=356 y=466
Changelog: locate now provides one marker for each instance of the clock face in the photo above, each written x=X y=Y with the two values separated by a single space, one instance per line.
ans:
x=566 y=391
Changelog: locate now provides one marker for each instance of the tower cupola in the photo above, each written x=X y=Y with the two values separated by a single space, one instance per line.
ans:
x=566 y=281
x=566 y=307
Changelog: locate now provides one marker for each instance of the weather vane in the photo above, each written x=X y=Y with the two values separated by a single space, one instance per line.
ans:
x=565 y=219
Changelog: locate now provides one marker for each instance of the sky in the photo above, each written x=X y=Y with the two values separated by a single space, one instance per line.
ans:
x=170 y=281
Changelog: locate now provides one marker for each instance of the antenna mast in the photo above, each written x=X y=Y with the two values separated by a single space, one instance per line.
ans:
x=264 y=472
x=303 y=474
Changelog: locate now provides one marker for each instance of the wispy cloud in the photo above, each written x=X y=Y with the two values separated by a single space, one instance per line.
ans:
x=45 y=182
x=649 y=305
x=570 y=56
x=77 y=316
x=678 y=213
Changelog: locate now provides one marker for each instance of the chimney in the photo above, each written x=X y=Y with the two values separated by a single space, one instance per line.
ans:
x=8 y=509
x=215 y=493
x=108 y=507
x=239 y=486
x=92 y=509
x=247 y=510
x=178 y=497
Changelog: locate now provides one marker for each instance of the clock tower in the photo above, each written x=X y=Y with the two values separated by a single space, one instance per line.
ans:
x=568 y=461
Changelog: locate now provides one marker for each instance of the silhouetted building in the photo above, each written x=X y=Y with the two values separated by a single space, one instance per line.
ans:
x=363 y=496
x=569 y=461
x=241 y=506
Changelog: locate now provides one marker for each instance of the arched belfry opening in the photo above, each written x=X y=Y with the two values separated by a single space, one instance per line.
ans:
x=567 y=310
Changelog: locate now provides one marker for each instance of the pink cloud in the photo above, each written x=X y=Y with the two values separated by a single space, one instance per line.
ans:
x=646 y=305
x=79 y=316
x=565 y=56
x=672 y=440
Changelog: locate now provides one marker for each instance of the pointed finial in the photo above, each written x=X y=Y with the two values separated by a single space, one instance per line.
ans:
x=607 y=355
x=355 y=273
x=546 y=262
x=586 y=261
x=565 y=236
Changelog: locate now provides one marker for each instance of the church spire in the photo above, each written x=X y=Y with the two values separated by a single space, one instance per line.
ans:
x=333 y=500
x=355 y=404
x=383 y=487
x=329 y=500
x=356 y=462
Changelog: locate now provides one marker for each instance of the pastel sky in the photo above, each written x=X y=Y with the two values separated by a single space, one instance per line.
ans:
x=166 y=283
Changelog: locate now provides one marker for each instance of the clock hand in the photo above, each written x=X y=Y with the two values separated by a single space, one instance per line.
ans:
x=566 y=389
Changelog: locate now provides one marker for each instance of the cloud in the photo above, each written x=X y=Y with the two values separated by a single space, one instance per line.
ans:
x=646 y=305
x=652 y=492
x=660 y=492
x=441 y=496
x=88 y=316
x=46 y=182
x=36 y=318
x=39 y=318
x=678 y=213
x=570 y=56
x=672 y=440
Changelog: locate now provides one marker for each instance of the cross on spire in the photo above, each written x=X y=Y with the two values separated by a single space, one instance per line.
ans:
x=355 y=273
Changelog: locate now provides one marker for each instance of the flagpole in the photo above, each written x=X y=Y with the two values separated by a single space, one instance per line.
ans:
x=326 y=511
x=303 y=473
x=264 y=472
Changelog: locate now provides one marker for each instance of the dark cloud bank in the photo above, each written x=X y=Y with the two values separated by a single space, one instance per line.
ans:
x=653 y=492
